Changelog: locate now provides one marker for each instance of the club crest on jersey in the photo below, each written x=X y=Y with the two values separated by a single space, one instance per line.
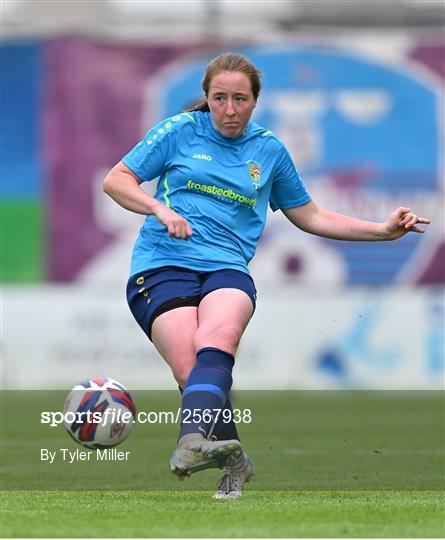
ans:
x=255 y=173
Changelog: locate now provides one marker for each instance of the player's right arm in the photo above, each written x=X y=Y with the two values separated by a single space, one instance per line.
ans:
x=123 y=186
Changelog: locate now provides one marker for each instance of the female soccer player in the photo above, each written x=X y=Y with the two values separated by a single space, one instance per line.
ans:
x=189 y=287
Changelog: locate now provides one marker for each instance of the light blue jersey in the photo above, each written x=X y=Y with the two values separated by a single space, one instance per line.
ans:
x=222 y=186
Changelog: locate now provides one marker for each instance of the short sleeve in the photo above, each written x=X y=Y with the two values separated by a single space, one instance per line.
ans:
x=149 y=158
x=288 y=190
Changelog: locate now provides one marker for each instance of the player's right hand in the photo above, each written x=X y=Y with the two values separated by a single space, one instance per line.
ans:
x=177 y=226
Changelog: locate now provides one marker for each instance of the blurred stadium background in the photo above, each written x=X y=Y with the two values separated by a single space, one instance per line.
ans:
x=354 y=88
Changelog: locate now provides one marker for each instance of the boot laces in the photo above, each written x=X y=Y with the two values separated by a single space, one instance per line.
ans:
x=232 y=480
x=227 y=483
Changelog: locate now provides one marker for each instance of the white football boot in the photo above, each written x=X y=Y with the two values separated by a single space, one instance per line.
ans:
x=195 y=453
x=230 y=486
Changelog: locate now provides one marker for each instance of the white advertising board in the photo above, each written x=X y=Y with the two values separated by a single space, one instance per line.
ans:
x=298 y=339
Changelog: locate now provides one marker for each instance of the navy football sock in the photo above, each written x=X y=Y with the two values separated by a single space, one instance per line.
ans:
x=225 y=428
x=206 y=391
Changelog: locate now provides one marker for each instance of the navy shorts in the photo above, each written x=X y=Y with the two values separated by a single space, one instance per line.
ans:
x=153 y=292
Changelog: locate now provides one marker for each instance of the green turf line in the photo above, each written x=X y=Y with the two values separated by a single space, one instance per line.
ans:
x=195 y=514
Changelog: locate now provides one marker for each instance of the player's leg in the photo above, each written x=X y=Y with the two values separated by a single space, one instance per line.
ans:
x=241 y=471
x=222 y=318
x=223 y=315
x=225 y=427
x=173 y=336
x=163 y=302
x=172 y=333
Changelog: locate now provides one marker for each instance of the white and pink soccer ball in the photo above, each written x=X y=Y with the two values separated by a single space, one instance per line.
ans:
x=99 y=413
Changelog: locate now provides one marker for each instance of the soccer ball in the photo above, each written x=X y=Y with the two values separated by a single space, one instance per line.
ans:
x=99 y=413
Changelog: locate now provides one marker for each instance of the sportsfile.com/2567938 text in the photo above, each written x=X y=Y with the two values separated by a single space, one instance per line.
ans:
x=113 y=415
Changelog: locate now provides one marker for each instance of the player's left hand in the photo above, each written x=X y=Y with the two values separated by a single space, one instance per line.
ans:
x=402 y=221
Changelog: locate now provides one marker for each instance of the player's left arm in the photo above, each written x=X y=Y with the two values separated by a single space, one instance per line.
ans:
x=322 y=222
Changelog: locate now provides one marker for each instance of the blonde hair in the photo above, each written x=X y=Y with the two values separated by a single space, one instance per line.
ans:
x=228 y=62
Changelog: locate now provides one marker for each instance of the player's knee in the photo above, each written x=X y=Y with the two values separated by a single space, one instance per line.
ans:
x=225 y=338
x=182 y=374
x=182 y=382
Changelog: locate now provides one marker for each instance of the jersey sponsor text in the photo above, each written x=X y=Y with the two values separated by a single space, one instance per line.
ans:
x=227 y=194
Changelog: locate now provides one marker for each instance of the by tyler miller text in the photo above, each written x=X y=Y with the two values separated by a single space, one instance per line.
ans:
x=75 y=456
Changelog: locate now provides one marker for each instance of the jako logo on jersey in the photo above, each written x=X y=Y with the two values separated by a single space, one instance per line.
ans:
x=255 y=173
x=202 y=156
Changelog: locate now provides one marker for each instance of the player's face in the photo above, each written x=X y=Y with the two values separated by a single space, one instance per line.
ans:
x=231 y=102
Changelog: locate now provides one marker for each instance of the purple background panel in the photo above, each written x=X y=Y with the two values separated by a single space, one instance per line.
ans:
x=93 y=112
x=432 y=56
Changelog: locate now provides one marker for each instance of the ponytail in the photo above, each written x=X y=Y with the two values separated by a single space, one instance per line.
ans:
x=202 y=106
x=233 y=62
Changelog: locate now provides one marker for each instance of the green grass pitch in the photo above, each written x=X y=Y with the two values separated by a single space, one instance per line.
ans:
x=328 y=464
x=194 y=514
